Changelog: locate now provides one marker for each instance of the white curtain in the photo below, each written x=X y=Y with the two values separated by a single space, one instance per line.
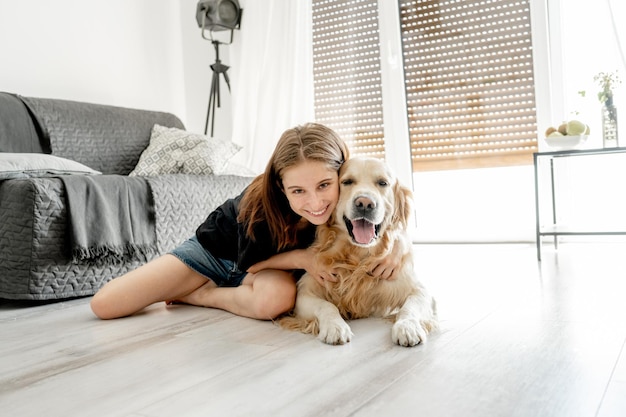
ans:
x=617 y=9
x=271 y=76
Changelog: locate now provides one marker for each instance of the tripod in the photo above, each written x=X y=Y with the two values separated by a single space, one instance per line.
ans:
x=214 y=97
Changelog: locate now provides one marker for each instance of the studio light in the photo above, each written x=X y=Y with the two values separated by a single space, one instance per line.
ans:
x=217 y=15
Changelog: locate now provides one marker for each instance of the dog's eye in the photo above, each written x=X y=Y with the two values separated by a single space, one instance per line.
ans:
x=347 y=181
x=383 y=183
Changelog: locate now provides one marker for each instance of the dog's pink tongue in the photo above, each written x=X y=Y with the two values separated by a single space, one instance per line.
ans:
x=363 y=231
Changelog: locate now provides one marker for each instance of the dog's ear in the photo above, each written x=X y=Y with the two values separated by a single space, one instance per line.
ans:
x=325 y=236
x=333 y=219
x=403 y=204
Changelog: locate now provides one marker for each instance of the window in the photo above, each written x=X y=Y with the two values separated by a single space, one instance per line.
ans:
x=601 y=47
x=346 y=70
x=469 y=78
x=468 y=75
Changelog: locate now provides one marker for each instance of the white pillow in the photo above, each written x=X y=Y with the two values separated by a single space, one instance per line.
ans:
x=173 y=151
x=28 y=165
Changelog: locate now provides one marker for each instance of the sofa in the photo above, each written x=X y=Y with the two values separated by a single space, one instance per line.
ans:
x=91 y=191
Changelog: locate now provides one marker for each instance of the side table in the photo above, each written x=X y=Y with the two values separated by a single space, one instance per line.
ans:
x=552 y=227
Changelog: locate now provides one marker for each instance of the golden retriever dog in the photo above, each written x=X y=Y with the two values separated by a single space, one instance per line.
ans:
x=371 y=218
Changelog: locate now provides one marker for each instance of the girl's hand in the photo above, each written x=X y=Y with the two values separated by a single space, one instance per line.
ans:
x=392 y=263
x=321 y=273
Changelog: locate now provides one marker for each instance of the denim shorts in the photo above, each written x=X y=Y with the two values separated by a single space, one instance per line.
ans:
x=221 y=271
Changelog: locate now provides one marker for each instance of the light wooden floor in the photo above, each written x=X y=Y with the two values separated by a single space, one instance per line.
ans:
x=516 y=339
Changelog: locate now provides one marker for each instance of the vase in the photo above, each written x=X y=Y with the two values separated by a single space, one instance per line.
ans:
x=609 y=125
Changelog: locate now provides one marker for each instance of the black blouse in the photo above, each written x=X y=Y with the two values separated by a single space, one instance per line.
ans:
x=221 y=235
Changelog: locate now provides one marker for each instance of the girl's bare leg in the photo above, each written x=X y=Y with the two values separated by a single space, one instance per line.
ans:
x=263 y=295
x=164 y=278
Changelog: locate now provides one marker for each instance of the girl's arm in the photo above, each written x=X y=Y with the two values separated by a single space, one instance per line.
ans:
x=303 y=259
x=296 y=259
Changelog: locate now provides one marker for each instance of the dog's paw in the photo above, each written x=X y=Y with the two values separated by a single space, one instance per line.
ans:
x=334 y=332
x=407 y=332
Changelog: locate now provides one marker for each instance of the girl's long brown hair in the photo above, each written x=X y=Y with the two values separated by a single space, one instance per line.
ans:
x=264 y=200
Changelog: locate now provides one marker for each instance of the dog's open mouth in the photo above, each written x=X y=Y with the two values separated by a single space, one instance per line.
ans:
x=362 y=231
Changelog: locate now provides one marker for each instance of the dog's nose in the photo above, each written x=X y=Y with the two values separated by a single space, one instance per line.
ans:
x=364 y=204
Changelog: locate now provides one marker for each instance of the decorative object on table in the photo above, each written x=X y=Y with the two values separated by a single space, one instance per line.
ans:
x=607 y=81
x=214 y=16
x=568 y=135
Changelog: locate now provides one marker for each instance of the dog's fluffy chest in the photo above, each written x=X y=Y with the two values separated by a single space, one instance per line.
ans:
x=358 y=294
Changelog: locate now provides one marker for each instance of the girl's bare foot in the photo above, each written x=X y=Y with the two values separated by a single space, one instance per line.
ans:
x=196 y=297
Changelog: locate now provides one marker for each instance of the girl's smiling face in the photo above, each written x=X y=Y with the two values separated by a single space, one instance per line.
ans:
x=312 y=189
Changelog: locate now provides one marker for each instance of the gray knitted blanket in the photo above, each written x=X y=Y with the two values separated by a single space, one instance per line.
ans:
x=19 y=129
x=111 y=218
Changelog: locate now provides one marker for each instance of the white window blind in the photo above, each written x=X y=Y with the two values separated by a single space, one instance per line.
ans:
x=346 y=68
x=469 y=80
x=468 y=75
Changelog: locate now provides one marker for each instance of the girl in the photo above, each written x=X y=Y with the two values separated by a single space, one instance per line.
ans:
x=230 y=264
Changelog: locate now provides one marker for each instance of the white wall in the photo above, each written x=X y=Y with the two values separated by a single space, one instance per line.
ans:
x=142 y=53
